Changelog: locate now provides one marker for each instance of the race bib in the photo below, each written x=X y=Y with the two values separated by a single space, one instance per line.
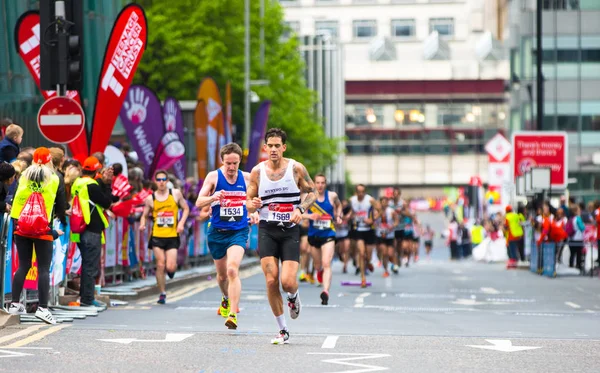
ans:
x=232 y=208
x=281 y=212
x=324 y=222
x=361 y=216
x=165 y=219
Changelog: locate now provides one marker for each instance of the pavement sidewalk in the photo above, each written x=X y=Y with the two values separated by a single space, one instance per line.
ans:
x=137 y=289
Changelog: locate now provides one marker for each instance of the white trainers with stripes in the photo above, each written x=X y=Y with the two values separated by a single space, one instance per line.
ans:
x=17 y=309
x=45 y=315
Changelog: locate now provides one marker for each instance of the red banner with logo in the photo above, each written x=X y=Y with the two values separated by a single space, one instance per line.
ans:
x=27 y=42
x=543 y=149
x=209 y=95
x=124 y=51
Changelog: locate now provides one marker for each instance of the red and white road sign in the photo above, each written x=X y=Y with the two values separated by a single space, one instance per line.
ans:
x=542 y=149
x=61 y=119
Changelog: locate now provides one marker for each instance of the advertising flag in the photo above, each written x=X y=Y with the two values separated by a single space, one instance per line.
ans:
x=200 y=129
x=258 y=133
x=124 y=51
x=173 y=118
x=209 y=94
x=228 y=115
x=141 y=115
x=170 y=150
x=27 y=41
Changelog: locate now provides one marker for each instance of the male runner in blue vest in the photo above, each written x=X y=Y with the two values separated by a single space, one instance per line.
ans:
x=324 y=213
x=224 y=190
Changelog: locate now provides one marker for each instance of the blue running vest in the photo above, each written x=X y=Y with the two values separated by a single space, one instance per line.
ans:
x=233 y=215
x=323 y=227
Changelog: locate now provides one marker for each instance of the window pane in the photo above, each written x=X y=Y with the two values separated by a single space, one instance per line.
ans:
x=444 y=26
x=327 y=27
x=365 y=29
x=403 y=28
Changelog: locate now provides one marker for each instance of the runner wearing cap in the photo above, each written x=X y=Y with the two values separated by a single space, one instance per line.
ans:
x=165 y=204
x=94 y=198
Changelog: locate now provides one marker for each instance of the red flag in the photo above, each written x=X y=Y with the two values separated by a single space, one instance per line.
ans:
x=124 y=51
x=27 y=42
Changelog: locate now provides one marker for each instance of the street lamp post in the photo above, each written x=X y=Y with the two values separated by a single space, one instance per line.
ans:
x=246 y=74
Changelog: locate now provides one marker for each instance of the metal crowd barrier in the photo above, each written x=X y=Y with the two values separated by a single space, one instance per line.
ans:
x=125 y=256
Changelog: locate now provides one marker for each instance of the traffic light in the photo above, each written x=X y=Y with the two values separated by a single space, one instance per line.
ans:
x=61 y=47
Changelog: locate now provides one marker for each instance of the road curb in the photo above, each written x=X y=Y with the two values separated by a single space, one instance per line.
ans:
x=174 y=284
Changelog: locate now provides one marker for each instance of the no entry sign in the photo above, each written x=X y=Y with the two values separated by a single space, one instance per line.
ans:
x=61 y=120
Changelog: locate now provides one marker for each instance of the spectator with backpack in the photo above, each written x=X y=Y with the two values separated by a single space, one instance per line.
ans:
x=32 y=209
x=88 y=221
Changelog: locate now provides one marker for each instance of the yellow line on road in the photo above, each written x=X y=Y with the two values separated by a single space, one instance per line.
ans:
x=21 y=333
x=38 y=336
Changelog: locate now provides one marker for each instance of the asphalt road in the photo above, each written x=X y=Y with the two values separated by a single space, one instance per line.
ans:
x=434 y=316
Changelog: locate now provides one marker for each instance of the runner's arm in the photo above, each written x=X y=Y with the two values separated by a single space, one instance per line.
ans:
x=306 y=185
x=204 y=197
x=147 y=207
x=252 y=199
x=337 y=205
x=377 y=207
x=182 y=205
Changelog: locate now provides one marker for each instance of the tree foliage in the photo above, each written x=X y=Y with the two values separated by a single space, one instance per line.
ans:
x=192 y=39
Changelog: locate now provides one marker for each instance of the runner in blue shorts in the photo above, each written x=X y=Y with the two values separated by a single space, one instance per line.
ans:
x=224 y=190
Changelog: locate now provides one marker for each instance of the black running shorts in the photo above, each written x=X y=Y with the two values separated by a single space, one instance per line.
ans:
x=367 y=236
x=165 y=243
x=317 y=242
x=279 y=242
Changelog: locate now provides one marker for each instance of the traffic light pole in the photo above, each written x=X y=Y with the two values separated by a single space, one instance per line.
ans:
x=63 y=48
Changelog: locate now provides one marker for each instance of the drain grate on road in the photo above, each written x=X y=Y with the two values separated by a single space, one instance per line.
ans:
x=511 y=300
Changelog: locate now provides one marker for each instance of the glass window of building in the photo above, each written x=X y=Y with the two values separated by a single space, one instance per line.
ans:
x=364 y=115
x=292 y=27
x=403 y=28
x=364 y=29
x=407 y=114
x=327 y=27
x=444 y=26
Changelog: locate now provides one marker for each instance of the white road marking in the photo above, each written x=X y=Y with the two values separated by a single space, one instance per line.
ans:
x=572 y=305
x=12 y=354
x=383 y=295
x=457 y=271
x=330 y=341
x=170 y=337
x=346 y=361
x=360 y=300
x=503 y=345
x=489 y=291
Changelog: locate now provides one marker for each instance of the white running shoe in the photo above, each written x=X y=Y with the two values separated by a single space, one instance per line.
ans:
x=294 y=305
x=282 y=338
x=17 y=309
x=45 y=315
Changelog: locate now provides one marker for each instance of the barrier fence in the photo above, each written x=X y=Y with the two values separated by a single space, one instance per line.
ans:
x=543 y=260
x=125 y=256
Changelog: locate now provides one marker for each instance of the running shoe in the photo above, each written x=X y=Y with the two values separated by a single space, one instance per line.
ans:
x=17 y=309
x=324 y=298
x=302 y=277
x=171 y=275
x=282 y=338
x=162 y=299
x=294 y=305
x=363 y=283
x=371 y=268
x=395 y=269
x=45 y=315
x=310 y=278
x=224 y=310
x=386 y=274
x=231 y=322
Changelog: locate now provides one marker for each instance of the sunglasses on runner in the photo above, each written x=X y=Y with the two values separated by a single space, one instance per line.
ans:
x=161 y=179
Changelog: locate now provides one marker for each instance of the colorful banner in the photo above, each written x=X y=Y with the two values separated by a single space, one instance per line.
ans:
x=228 y=115
x=209 y=95
x=27 y=40
x=173 y=118
x=124 y=51
x=201 y=129
x=60 y=247
x=258 y=133
x=111 y=244
x=141 y=116
x=170 y=150
x=8 y=272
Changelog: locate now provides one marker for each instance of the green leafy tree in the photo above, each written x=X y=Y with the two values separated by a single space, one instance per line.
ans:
x=190 y=40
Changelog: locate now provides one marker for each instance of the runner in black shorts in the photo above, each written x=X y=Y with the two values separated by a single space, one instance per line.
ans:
x=275 y=187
